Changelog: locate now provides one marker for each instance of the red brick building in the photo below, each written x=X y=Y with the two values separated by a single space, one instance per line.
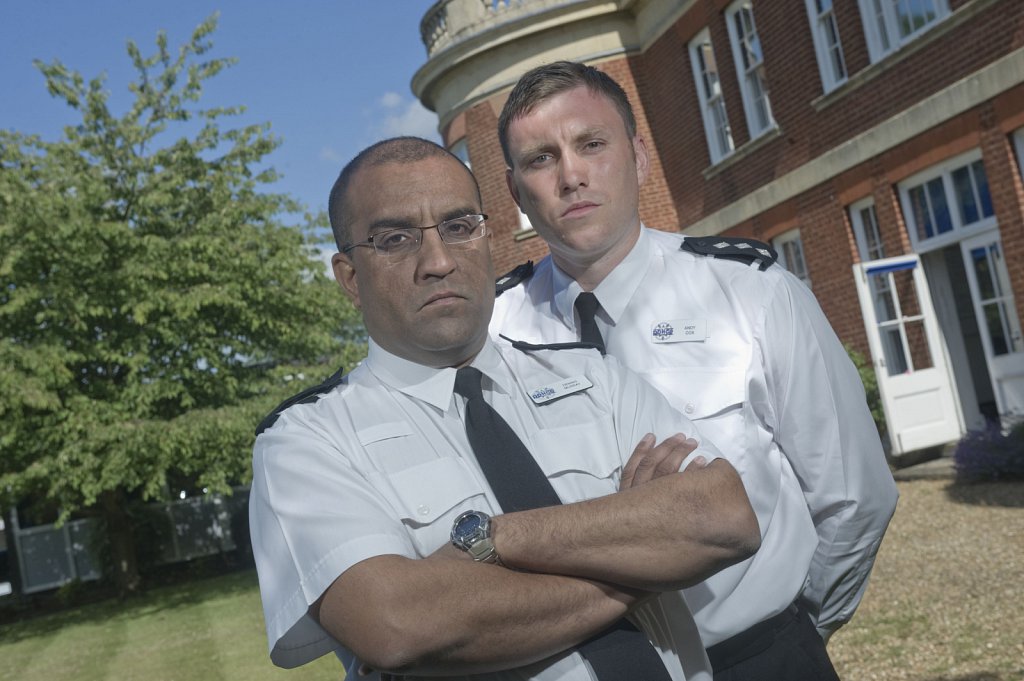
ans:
x=876 y=143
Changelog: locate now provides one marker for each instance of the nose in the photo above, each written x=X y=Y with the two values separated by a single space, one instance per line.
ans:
x=572 y=173
x=434 y=260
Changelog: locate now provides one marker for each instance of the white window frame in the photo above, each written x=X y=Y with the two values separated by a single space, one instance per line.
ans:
x=960 y=231
x=1018 y=145
x=749 y=75
x=790 y=248
x=460 y=149
x=866 y=231
x=719 y=138
x=881 y=19
x=830 y=56
x=524 y=221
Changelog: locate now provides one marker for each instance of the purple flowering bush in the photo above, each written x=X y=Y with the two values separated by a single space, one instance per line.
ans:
x=991 y=454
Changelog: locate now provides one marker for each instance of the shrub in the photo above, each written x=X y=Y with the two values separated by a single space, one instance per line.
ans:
x=870 y=381
x=991 y=454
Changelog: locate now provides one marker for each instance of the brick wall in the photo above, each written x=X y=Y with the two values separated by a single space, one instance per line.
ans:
x=806 y=128
x=485 y=156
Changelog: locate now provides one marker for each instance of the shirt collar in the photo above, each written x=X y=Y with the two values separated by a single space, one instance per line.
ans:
x=614 y=292
x=431 y=385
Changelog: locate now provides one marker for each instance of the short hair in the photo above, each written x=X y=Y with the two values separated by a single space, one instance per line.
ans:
x=393 y=150
x=548 y=80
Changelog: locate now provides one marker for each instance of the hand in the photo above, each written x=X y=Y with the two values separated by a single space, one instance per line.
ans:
x=649 y=461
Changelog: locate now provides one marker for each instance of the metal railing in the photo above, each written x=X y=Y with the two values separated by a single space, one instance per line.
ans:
x=50 y=556
x=450 y=21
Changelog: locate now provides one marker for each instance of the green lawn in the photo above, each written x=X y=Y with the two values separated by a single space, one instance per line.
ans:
x=209 y=630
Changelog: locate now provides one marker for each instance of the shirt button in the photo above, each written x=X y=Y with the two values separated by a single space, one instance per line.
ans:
x=423 y=509
x=688 y=408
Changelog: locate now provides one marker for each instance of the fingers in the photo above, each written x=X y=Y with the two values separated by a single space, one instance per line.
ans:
x=698 y=462
x=639 y=453
x=649 y=461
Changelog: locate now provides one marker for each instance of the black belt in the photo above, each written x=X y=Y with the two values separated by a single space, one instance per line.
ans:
x=754 y=640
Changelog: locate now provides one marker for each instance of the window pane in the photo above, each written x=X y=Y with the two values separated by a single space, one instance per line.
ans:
x=836 y=57
x=883 y=30
x=913 y=15
x=981 y=182
x=709 y=69
x=885 y=308
x=965 y=196
x=995 y=320
x=722 y=130
x=983 y=273
x=920 y=353
x=895 y=354
x=937 y=194
x=872 y=237
x=922 y=216
x=760 y=94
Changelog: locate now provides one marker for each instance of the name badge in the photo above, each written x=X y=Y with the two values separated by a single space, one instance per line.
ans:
x=553 y=391
x=680 y=331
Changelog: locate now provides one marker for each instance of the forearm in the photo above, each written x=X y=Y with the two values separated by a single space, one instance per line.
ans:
x=667 y=534
x=848 y=544
x=448 y=615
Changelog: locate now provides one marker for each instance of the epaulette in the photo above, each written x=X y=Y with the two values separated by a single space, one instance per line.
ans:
x=513 y=278
x=530 y=347
x=732 y=248
x=306 y=396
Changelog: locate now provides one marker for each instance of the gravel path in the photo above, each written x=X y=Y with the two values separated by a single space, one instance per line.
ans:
x=946 y=598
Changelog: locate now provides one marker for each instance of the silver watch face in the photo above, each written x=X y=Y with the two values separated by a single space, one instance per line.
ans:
x=467 y=526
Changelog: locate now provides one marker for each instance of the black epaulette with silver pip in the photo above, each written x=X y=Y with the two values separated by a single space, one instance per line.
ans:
x=743 y=250
x=306 y=396
x=509 y=280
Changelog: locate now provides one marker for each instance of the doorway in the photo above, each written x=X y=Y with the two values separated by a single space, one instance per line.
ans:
x=947 y=280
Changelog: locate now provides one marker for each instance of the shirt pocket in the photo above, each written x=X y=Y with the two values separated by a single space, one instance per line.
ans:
x=426 y=491
x=699 y=392
x=581 y=461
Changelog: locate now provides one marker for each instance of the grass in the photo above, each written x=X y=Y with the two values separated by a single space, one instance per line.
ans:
x=209 y=629
x=943 y=604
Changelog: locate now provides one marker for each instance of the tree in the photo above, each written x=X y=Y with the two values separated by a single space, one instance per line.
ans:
x=151 y=299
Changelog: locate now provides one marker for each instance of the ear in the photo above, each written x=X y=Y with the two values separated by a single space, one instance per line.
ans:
x=643 y=159
x=512 y=188
x=345 y=275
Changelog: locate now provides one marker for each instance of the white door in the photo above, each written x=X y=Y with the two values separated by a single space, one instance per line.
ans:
x=997 y=320
x=915 y=378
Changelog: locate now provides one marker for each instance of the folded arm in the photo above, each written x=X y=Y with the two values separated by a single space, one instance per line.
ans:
x=579 y=567
x=669 y=533
x=446 y=614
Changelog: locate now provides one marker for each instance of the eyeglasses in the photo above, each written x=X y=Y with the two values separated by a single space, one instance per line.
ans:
x=406 y=240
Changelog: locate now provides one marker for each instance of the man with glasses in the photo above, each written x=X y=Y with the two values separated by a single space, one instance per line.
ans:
x=454 y=509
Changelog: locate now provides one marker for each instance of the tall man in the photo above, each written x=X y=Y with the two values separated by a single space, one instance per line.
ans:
x=740 y=346
x=362 y=489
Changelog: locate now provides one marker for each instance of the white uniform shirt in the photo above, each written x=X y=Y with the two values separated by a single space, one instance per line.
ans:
x=381 y=465
x=750 y=357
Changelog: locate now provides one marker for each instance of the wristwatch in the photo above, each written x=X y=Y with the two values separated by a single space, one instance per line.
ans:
x=471 y=532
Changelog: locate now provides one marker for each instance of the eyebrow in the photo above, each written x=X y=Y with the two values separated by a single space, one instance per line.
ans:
x=384 y=224
x=587 y=133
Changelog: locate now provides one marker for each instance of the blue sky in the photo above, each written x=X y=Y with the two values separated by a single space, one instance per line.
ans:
x=330 y=76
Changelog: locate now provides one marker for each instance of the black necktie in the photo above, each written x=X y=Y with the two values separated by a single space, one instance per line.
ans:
x=587 y=304
x=620 y=652
x=514 y=475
